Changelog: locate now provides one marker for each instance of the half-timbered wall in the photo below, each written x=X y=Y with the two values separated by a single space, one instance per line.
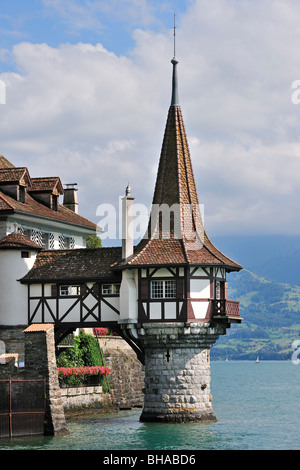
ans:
x=194 y=290
x=89 y=305
x=159 y=300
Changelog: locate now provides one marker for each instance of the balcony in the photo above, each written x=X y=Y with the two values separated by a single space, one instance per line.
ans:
x=224 y=309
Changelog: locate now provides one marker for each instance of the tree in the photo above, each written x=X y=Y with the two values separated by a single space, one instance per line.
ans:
x=93 y=241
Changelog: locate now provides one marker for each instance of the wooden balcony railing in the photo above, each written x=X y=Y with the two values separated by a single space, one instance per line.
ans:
x=225 y=308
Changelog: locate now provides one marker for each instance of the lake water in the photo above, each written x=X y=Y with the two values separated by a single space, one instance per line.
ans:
x=256 y=405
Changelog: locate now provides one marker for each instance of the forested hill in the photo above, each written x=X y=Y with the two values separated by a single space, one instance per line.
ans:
x=271 y=313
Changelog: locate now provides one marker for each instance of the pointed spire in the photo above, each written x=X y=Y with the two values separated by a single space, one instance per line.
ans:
x=174 y=61
x=179 y=238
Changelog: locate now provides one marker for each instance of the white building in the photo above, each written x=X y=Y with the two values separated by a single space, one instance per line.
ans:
x=31 y=220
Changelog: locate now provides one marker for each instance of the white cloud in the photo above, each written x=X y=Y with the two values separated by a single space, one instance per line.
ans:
x=95 y=118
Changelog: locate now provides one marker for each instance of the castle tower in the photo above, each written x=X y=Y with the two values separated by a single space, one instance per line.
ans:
x=180 y=278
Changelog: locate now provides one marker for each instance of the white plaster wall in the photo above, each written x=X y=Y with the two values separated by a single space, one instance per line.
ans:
x=155 y=311
x=13 y=294
x=200 y=288
x=200 y=309
x=163 y=272
x=128 y=296
x=198 y=272
x=170 y=310
x=108 y=314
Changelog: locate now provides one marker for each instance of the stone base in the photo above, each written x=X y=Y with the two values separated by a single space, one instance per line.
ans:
x=177 y=371
x=178 y=417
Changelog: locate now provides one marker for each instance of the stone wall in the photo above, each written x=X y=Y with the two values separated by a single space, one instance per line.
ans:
x=13 y=339
x=127 y=377
x=41 y=362
x=177 y=370
x=73 y=397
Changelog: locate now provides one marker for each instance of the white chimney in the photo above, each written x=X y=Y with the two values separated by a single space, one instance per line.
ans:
x=127 y=224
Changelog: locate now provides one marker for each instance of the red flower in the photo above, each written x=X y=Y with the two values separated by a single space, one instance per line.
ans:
x=84 y=370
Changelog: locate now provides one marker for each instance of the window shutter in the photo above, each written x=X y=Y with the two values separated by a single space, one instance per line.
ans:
x=144 y=289
x=180 y=288
x=54 y=290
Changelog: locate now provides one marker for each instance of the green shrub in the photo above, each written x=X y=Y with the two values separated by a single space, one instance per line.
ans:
x=85 y=352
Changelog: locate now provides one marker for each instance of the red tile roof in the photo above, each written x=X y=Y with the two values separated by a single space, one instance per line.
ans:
x=4 y=163
x=32 y=207
x=74 y=265
x=10 y=174
x=50 y=184
x=175 y=185
x=17 y=240
x=15 y=175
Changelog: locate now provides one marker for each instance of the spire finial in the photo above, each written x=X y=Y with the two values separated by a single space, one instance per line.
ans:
x=128 y=190
x=174 y=61
x=174 y=35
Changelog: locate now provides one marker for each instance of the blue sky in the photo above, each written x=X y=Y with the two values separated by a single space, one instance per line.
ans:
x=88 y=86
x=92 y=21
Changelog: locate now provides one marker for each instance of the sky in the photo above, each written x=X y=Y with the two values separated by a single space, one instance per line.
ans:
x=87 y=88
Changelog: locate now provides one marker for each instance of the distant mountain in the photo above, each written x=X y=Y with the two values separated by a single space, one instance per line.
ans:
x=274 y=257
x=271 y=319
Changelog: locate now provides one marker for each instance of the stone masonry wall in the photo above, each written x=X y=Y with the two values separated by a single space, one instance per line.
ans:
x=127 y=378
x=13 y=339
x=73 y=397
x=41 y=362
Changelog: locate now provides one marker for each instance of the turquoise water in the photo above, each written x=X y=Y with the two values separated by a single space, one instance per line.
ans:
x=256 y=405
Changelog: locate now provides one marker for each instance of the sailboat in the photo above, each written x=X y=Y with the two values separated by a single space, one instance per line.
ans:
x=257 y=360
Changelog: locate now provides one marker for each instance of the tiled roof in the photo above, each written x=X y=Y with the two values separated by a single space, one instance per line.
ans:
x=51 y=184
x=14 y=175
x=74 y=265
x=10 y=174
x=32 y=207
x=5 y=204
x=17 y=240
x=175 y=185
x=4 y=163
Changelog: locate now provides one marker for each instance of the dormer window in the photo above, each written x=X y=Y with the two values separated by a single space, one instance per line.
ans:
x=13 y=182
x=46 y=191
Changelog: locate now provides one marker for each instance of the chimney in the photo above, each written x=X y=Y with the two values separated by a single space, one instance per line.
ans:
x=127 y=224
x=70 y=197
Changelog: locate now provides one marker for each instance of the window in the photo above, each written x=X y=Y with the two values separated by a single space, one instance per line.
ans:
x=25 y=254
x=66 y=242
x=61 y=242
x=37 y=236
x=47 y=240
x=110 y=289
x=69 y=290
x=163 y=289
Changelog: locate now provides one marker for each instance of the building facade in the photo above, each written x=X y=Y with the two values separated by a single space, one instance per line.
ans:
x=167 y=296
